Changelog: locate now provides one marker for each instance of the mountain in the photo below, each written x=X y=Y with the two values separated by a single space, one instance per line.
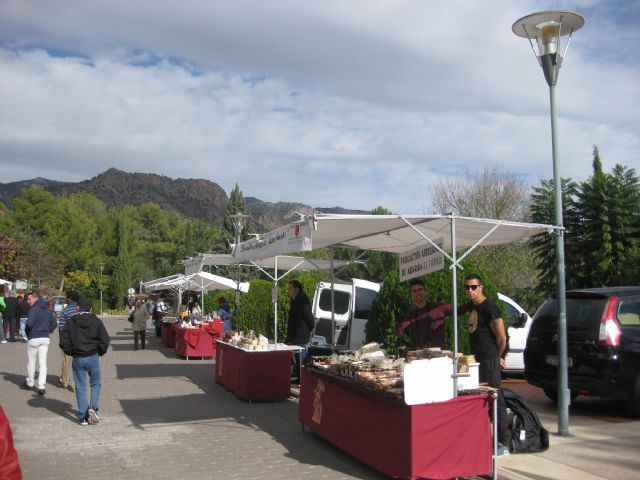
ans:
x=192 y=198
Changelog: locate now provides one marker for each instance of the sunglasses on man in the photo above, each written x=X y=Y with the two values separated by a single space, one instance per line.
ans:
x=471 y=287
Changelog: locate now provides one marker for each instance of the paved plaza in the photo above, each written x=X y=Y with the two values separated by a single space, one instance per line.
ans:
x=165 y=418
x=162 y=417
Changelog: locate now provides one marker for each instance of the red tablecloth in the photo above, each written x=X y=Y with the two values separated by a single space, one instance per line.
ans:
x=198 y=342
x=437 y=440
x=169 y=334
x=259 y=375
x=9 y=466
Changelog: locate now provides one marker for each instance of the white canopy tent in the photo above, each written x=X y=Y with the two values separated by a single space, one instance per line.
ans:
x=279 y=262
x=397 y=234
x=200 y=282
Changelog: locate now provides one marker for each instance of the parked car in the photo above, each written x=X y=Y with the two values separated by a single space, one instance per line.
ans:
x=58 y=304
x=518 y=323
x=603 y=345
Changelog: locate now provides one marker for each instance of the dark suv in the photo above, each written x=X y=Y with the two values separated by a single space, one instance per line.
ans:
x=603 y=345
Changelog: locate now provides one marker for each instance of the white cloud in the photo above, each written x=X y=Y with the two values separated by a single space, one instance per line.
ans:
x=350 y=103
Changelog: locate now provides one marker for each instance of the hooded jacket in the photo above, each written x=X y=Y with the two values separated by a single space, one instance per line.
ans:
x=84 y=335
x=41 y=321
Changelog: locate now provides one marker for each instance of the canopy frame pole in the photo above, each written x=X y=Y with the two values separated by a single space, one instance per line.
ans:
x=275 y=304
x=454 y=289
x=333 y=305
x=479 y=242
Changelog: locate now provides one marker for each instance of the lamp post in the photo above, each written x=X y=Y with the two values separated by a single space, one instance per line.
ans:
x=101 y=269
x=547 y=28
x=239 y=221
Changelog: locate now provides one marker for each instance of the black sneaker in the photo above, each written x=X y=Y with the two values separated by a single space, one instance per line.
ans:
x=84 y=421
x=41 y=391
x=26 y=386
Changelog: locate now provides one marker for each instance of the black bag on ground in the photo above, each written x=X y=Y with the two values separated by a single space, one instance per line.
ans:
x=527 y=433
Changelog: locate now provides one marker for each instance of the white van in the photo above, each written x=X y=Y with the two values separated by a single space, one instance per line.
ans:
x=518 y=323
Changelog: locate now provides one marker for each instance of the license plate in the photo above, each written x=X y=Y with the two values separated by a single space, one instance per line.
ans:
x=555 y=360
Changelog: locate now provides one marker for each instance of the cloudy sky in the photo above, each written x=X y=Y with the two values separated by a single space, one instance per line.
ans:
x=356 y=103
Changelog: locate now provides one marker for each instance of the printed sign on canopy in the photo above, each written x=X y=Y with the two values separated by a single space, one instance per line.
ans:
x=290 y=238
x=421 y=260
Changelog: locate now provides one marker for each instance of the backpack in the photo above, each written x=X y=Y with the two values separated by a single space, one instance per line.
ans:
x=527 y=433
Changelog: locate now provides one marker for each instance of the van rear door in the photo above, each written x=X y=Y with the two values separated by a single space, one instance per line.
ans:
x=322 y=312
x=363 y=295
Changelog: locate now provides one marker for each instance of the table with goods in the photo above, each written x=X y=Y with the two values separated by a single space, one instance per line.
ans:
x=197 y=339
x=253 y=368
x=400 y=415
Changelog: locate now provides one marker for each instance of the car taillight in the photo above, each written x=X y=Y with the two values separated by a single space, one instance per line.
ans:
x=609 y=334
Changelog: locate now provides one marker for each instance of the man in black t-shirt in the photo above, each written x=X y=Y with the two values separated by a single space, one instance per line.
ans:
x=488 y=340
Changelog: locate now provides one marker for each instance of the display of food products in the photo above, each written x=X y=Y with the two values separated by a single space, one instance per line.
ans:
x=371 y=367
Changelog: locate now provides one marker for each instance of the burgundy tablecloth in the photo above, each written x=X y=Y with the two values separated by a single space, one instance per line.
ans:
x=169 y=334
x=198 y=342
x=437 y=440
x=260 y=375
x=9 y=466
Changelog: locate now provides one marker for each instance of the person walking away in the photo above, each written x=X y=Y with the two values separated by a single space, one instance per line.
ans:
x=226 y=314
x=11 y=314
x=139 y=324
x=66 y=375
x=86 y=339
x=23 y=313
x=301 y=322
x=488 y=341
x=40 y=324
x=427 y=328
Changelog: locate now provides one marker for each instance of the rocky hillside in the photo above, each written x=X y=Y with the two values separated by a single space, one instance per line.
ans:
x=193 y=198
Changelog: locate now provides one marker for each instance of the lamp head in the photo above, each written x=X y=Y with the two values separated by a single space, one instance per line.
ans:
x=547 y=28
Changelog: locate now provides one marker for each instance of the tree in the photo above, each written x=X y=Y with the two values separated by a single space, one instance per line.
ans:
x=123 y=274
x=492 y=193
x=544 y=245
x=235 y=205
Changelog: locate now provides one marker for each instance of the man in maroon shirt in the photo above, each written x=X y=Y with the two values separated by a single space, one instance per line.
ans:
x=426 y=320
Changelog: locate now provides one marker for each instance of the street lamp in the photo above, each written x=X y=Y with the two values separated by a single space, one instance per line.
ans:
x=547 y=28
x=101 y=269
x=239 y=221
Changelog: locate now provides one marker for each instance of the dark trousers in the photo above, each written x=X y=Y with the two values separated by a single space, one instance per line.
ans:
x=491 y=373
x=142 y=335
x=11 y=323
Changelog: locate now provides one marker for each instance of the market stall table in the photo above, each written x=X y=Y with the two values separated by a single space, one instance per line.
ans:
x=169 y=334
x=439 y=440
x=199 y=341
x=255 y=374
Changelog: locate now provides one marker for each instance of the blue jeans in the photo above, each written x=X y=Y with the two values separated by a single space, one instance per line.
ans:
x=23 y=327
x=81 y=366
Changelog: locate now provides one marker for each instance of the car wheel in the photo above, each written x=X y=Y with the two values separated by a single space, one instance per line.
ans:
x=633 y=402
x=552 y=393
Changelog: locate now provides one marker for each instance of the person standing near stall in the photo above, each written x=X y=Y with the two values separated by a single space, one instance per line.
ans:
x=488 y=340
x=426 y=320
x=225 y=313
x=301 y=323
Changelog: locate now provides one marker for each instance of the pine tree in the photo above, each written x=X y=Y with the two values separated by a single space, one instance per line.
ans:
x=235 y=205
x=544 y=245
x=123 y=269
x=595 y=229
